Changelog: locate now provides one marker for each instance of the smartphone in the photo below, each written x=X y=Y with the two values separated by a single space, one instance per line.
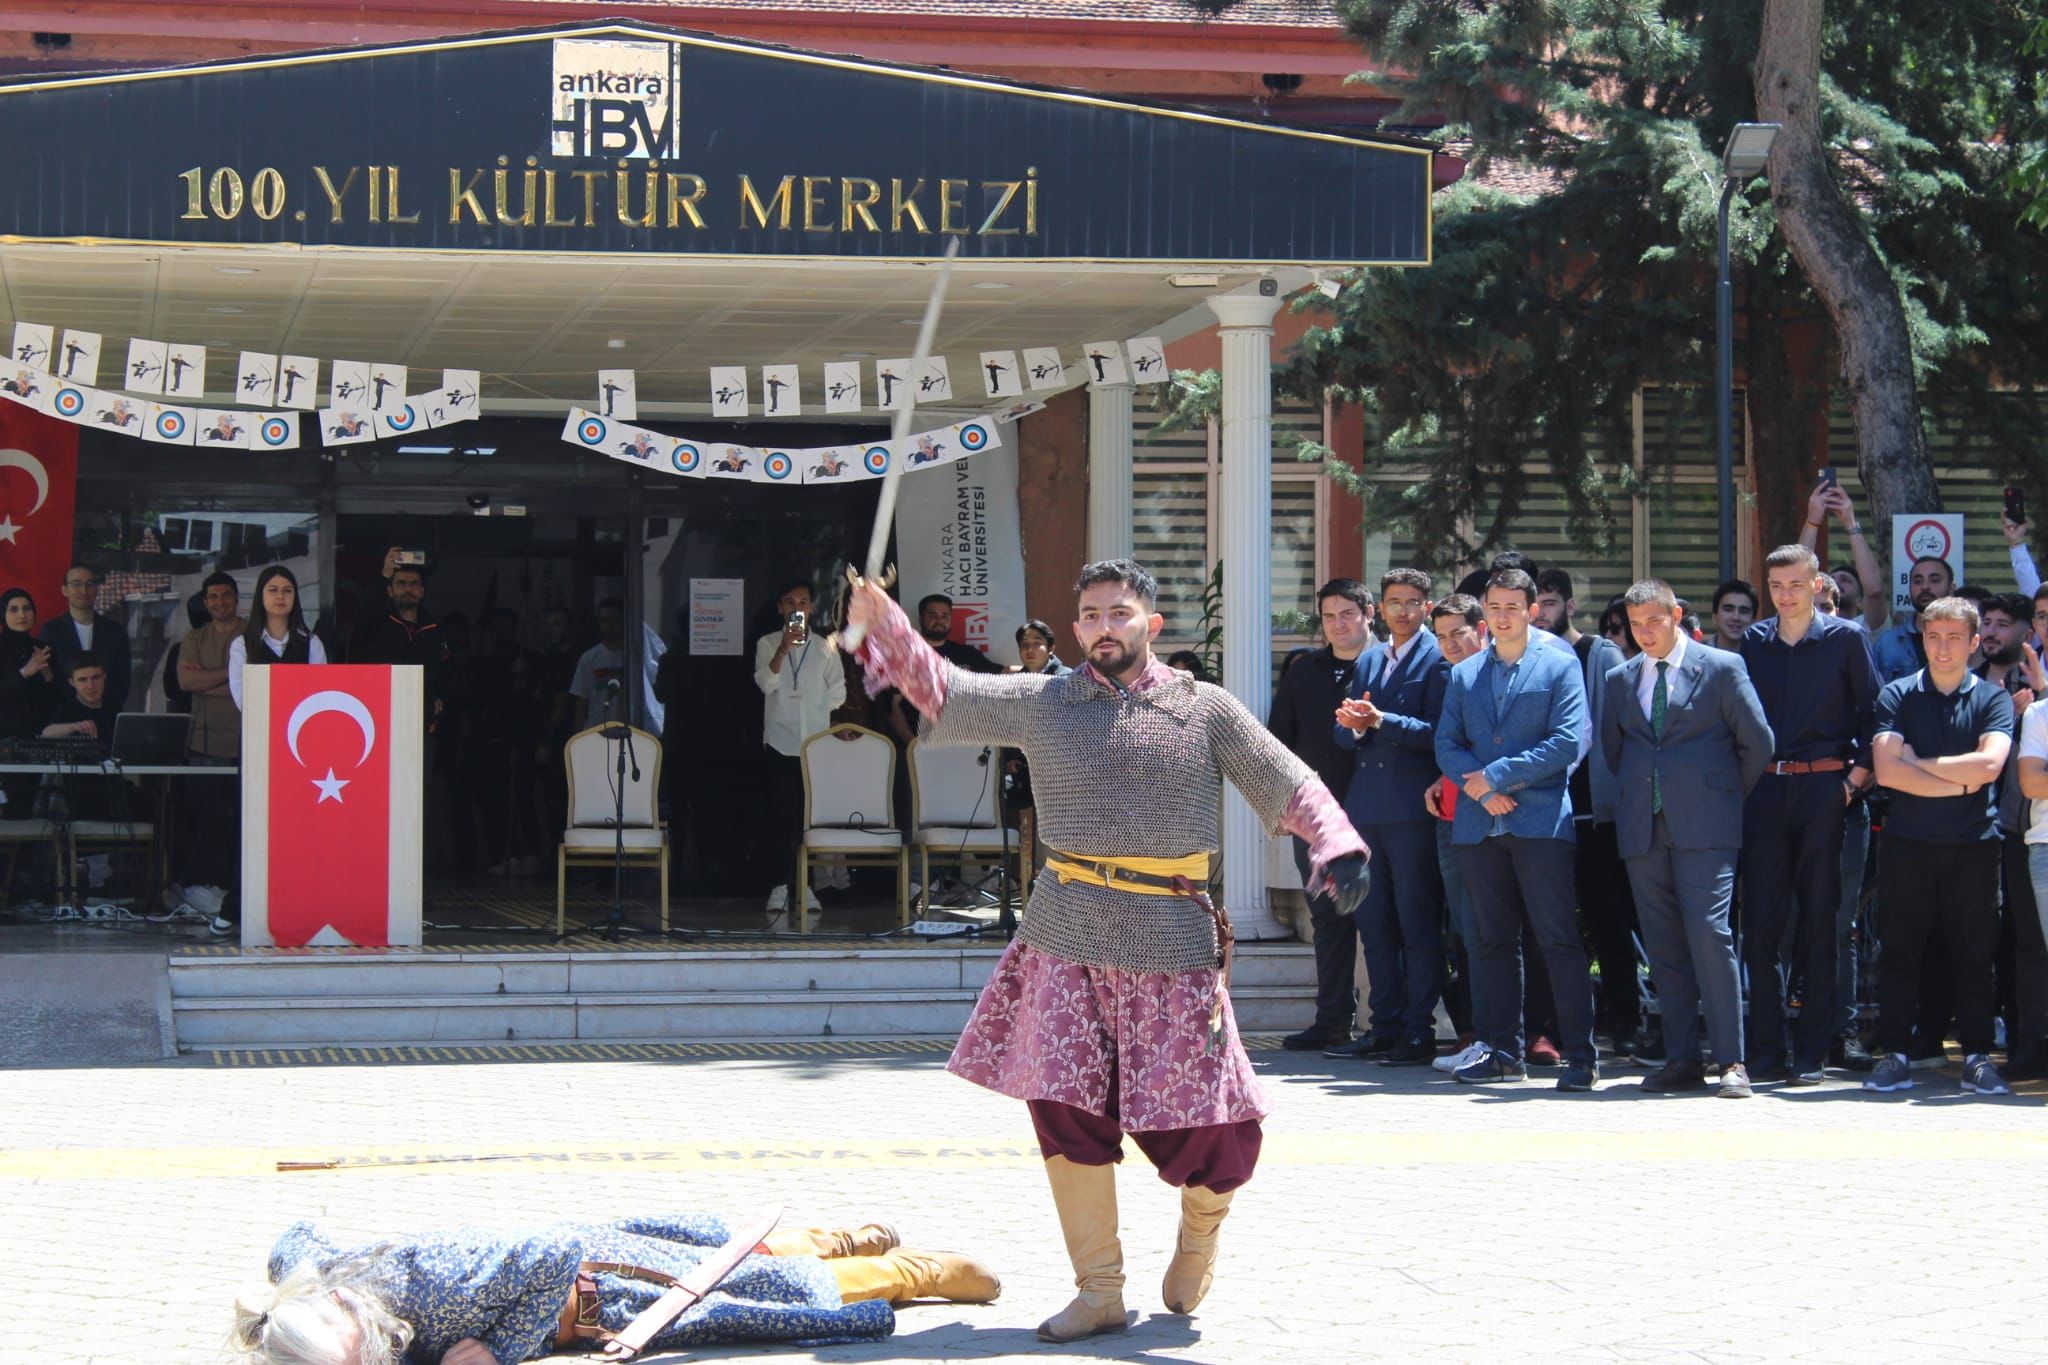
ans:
x=1827 y=475
x=2016 y=505
x=414 y=558
x=801 y=624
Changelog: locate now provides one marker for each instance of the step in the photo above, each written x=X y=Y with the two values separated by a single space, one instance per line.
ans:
x=288 y=1021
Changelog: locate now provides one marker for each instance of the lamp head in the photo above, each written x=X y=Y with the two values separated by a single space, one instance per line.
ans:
x=1748 y=149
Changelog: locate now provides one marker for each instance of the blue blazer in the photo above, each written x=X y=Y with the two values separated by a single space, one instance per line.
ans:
x=1526 y=748
x=1395 y=763
x=1716 y=745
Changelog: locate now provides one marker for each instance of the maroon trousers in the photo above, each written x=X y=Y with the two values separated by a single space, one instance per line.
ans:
x=1218 y=1157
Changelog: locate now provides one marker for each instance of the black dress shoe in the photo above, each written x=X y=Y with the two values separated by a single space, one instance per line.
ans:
x=1675 y=1078
x=1849 y=1054
x=1408 y=1052
x=1315 y=1038
x=2028 y=1064
x=1362 y=1047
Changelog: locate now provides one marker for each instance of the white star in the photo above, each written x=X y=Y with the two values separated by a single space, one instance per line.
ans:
x=330 y=787
x=8 y=530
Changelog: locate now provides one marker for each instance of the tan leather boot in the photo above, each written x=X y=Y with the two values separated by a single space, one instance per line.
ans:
x=1086 y=1199
x=902 y=1275
x=870 y=1239
x=1193 y=1265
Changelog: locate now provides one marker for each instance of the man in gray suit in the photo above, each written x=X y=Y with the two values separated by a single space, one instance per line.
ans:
x=1686 y=737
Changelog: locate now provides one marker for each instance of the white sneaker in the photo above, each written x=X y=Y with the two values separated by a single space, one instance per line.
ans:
x=221 y=926
x=205 y=899
x=811 y=900
x=1471 y=1053
x=778 y=900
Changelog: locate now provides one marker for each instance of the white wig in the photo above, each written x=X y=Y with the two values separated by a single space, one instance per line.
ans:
x=316 y=1317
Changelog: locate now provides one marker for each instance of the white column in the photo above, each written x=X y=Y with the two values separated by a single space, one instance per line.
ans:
x=1109 y=472
x=1245 y=493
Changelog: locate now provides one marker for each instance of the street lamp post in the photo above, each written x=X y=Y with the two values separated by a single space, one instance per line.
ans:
x=1744 y=158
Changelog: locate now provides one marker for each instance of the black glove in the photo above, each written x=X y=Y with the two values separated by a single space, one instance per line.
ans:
x=1350 y=879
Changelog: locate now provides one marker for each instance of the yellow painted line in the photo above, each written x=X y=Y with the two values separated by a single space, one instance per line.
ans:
x=1874 y=1145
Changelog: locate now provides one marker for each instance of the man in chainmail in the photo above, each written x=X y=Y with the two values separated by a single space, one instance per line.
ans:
x=1109 y=1014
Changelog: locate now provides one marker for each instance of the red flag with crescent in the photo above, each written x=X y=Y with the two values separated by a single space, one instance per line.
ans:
x=38 y=495
x=330 y=804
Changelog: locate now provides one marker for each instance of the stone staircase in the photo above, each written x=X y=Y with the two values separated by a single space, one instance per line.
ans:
x=337 y=997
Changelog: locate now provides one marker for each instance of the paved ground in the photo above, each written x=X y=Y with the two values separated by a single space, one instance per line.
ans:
x=1395 y=1217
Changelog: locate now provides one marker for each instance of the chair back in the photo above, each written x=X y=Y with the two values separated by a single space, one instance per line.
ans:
x=954 y=785
x=849 y=783
x=592 y=761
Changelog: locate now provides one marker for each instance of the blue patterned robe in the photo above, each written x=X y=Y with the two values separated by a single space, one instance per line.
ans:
x=507 y=1290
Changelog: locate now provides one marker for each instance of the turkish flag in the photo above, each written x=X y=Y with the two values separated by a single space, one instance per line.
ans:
x=38 y=494
x=331 y=778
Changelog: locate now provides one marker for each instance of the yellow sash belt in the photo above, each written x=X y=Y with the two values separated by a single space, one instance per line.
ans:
x=1195 y=867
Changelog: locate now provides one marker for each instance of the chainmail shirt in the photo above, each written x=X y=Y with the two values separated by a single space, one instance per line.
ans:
x=1121 y=777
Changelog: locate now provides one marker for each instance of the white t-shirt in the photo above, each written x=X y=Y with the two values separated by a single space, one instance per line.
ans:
x=802 y=696
x=599 y=665
x=2034 y=744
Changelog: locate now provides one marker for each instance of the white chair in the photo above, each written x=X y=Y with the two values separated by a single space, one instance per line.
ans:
x=849 y=794
x=954 y=813
x=591 y=838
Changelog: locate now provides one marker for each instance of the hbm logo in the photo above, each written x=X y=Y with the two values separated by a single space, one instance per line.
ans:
x=614 y=98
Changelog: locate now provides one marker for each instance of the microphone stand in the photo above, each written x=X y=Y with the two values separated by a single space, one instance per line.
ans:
x=1006 y=914
x=623 y=735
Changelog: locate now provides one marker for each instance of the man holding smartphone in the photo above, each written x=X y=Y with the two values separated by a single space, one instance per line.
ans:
x=801 y=677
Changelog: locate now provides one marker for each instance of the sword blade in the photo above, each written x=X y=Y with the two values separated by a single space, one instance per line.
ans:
x=927 y=330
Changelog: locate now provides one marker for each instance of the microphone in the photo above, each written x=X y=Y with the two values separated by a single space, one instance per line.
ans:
x=611 y=687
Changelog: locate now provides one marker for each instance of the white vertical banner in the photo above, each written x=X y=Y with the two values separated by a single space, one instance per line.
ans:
x=959 y=532
x=1923 y=535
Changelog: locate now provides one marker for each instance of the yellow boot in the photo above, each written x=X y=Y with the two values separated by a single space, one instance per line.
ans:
x=901 y=1276
x=869 y=1239
x=1193 y=1265
x=1086 y=1199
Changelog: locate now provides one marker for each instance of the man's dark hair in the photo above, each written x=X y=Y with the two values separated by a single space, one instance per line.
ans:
x=1557 y=581
x=1513 y=559
x=1350 y=589
x=1458 y=604
x=1946 y=567
x=220 y=579
x=1191 y=662
x=84 y=658
x=790 y=585
x=1472 y=585
x=1514 y=580
x=1973 y=593
x=1650 y=592
x=932 y=597
x=1039 y=628
x=2017 y=606
x=618 y=602
x=1734 y=585
x=81 y=564
x=1406 y=578
x=1125 y=571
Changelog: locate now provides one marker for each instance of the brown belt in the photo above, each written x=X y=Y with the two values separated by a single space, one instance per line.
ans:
x=1818 y=765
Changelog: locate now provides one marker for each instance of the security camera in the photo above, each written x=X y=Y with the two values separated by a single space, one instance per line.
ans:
x=478 y=500
x=1268 y=286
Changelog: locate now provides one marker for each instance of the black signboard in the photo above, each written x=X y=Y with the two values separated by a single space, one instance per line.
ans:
x=615 y=137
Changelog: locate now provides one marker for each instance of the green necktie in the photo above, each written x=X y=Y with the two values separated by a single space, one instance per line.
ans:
x=1660 y=697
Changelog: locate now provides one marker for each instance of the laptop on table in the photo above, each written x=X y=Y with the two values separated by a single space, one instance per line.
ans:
x=144 y=740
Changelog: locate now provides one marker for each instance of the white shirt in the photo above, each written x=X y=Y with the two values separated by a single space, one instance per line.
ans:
x=238 y=659
x=84 y=632
x=803 y=695
x=1396 y=653
x=2034 y=744
x=599 y=665
x=1646 y=690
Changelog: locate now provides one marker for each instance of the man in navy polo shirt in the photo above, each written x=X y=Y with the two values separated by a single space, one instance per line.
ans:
x=1942 y=736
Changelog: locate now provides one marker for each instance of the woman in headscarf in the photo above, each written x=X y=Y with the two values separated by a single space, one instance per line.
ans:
x=28 y=689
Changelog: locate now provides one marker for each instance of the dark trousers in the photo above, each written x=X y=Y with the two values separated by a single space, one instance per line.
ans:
x=1336 y=944
x=2027 y=1026
x=1946 y=893
x=1855 y=857
x=501 y=784
x=211 y=811
x=785 y=812
x=1792 y=888
x=1219 y=1157
x=1608 y=912
x=1401 y=924
x=1458 y=994
x=1508 y=876
x=1684 y=896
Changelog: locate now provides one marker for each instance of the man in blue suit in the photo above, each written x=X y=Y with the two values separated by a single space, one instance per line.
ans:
x=1685 y=735
x=1510 y=731
x=1388 y=720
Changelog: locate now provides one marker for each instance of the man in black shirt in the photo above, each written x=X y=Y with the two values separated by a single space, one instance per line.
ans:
x=935 y=623
x=1304 y=719
x=1814 y=675
x=84 y=714
x=1942 y=737
x=403 y=633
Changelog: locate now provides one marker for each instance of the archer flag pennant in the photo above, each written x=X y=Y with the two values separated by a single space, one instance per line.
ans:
x=935 y=381
x=1042 y=364
x=842 y=386
x=78 y=357
x=33 y=342
x=349 y=384
x=298 y=382
x=728 y=391
x=460 y=391
x=733 y=462
x=779 y=393
x=617 y=395
x=834 y=464
x=117 y=412
x=256 y=378
x=398 y=416
x=222 y=429
x=1105 y=361
x=168 y=425
x=348 y=425
x=184 y=371
x=894 y=387
x=1000 y=376
x=432 y=408
x=274 y=431
x=26 y=385
x=144 y=372
x=387 y=387
x=72 y=402
x=1148 y=359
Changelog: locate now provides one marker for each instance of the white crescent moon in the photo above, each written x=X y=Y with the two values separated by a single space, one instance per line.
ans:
x=347 y=705
x=21 y=459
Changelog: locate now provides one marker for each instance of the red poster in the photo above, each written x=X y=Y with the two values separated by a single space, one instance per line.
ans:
x=38 y=493
x=330 y=807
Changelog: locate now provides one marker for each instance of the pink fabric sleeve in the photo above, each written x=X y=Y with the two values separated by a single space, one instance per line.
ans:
x=893 y=654
x=1314 y=817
